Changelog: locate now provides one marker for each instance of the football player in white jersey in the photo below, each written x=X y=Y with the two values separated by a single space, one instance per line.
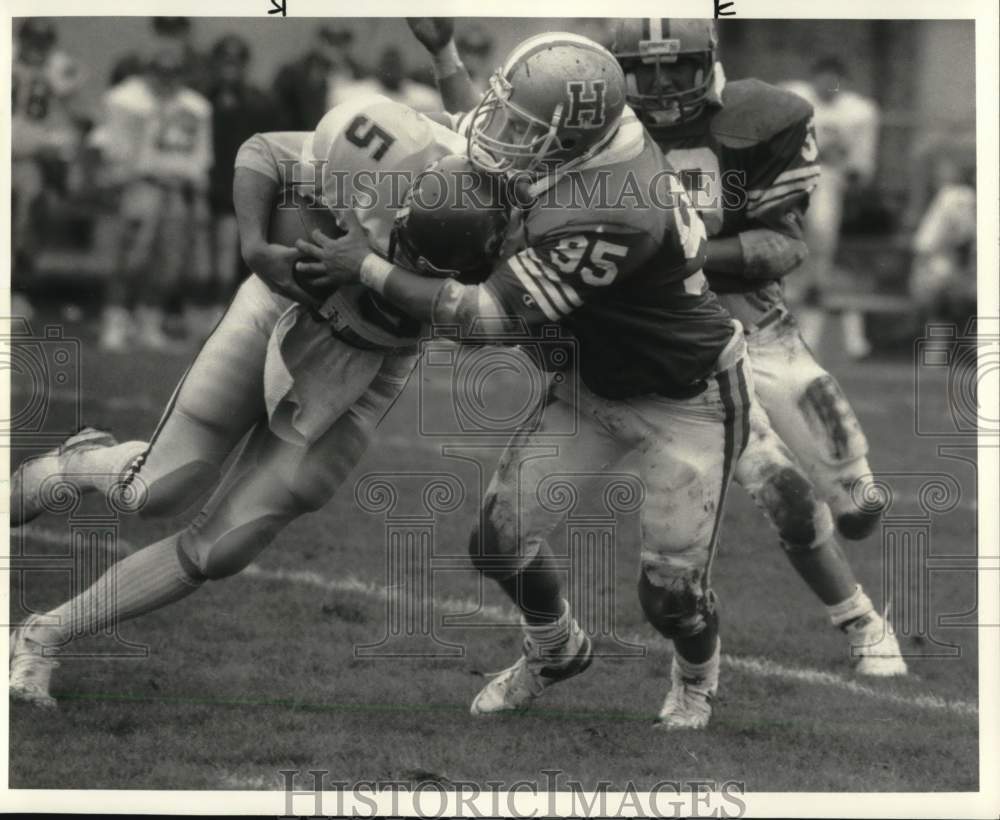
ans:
x=308 y=380
x=847 y=126
x=157 y=143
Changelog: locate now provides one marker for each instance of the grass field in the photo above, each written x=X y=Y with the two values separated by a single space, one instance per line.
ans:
x=259 y=673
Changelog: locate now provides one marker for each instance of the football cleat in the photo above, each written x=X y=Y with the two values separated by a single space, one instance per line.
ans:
x=27 y=482
x=518 y=685
x=30 y=669
x=689 y=702
x=875 y=646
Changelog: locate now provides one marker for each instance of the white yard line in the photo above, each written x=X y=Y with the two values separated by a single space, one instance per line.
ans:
x=757 y=667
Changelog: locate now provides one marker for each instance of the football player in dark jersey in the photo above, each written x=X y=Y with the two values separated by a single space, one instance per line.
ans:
x=748 y=155
x=659 y=359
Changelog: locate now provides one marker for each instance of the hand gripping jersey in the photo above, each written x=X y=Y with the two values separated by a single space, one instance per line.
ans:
x=749 y=164
x=614 y=251
x=363 y=154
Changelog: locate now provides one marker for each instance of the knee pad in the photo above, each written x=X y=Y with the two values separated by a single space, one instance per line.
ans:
x=802 y=520
x=676 y=604
x=493 y=547
x=832 y=421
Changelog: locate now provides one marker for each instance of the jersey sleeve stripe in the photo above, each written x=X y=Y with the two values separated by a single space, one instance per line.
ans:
x=797 y=173
x=804 y=185
x=765 y=205
x=804 y=176
x=531 y=261
x=549 y=288
x=529 y=283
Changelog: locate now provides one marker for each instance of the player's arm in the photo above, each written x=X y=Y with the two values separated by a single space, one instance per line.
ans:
x=778 y=196
x=542 y=284
x=257 y=182
x=436 y=34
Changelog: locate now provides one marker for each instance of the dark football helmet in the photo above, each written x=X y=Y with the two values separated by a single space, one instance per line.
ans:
x=557 y=100
x=452 y=223
x=650 y=50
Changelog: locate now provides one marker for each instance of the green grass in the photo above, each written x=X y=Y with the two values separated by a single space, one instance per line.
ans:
x=254 y=675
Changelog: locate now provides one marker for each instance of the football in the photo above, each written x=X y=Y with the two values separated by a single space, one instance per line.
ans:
x=290 y=222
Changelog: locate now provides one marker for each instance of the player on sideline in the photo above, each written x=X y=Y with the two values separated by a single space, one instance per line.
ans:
x=660 y=360
x=747 y=151
x=309 y=391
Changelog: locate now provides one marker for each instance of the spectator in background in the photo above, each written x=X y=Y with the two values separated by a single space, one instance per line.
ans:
x=239 y=110
x=847 y=126
x=125 y=67
x=157 y=143
x=390 y=80
x=304 y=88
x=943 y=280
x=475 y=45
x=197 y=65
x=44 y=141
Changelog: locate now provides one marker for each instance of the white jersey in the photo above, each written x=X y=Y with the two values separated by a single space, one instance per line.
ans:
x=363 y=155
x=149 y=136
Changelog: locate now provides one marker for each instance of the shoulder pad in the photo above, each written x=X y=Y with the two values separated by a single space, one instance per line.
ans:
x=754 y=111
x=616 y=196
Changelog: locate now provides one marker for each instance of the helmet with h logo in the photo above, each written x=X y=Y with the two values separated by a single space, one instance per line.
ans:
x=650 y=49
x=557 y=100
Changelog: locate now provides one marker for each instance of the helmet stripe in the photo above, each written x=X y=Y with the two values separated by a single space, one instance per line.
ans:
x=655 y=28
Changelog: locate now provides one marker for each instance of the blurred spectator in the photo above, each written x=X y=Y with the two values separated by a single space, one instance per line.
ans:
x=304 y=88
x=125 y=67
x=197 y=65
x=943 y=280
x=847 y=127
x=44 y=140
x=157 y=142
x=390 y=81
x=475 y=45
x=239 y=110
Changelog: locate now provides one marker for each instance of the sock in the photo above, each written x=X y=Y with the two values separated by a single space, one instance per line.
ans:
x=705 y=673
x=850 y=609
x=102 y=468
x=700 y=648
x=535 y=590
x=550 y=637
x=146 y=580
x=826 y=570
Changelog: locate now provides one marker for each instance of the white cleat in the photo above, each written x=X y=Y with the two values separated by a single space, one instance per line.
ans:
x=27 y=500
x=30 y=670
x=517 y=686
x=689 y=702
x=875 y=646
